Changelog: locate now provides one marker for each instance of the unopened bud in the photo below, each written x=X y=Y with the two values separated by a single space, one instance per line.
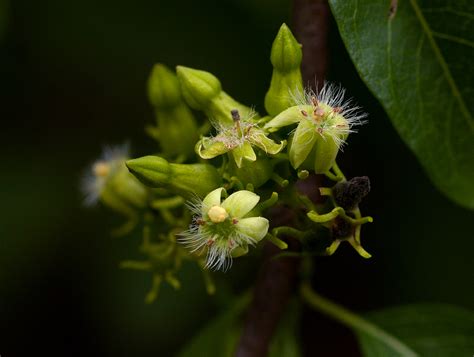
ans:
x=176 y=126
x=203 y=91
x=182 y=179
x=286 y=56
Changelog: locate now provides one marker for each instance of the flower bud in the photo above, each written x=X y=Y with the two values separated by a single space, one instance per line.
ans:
x=203 y=91
x=182 y=179
x=176 y=126
x=286 y=56
x=163 y=88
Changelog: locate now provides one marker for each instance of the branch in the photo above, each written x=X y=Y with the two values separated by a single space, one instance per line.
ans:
x=273 y=288
x=311 y=25
x=276 y=281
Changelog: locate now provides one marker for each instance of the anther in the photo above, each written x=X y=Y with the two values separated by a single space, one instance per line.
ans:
x=319 y=112
x=304 y=113
x=236 y=118
x=235 y=115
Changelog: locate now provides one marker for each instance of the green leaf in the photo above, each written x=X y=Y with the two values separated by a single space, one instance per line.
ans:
x=411 y=330
x=428 y=329
x=417 y=60
x=220 y=336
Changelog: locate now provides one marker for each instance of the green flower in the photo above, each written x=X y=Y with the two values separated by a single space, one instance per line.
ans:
x=109 y=181
x=239 y=140
x=324 y=120
x=224 y=229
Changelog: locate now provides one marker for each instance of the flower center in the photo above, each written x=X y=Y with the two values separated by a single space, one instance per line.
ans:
x=101 y=169
x=217 y=214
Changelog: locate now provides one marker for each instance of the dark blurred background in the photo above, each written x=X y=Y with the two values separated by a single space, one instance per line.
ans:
x=73 y=78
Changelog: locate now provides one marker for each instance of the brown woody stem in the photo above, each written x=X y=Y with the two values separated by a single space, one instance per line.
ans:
x=277 y=278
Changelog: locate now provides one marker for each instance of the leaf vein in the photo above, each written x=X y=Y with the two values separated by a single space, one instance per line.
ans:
x=418 y=85
x=451 y=10
x=439 y=56
x=452 y=38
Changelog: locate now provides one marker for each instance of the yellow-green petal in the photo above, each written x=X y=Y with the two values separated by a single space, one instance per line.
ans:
x=287 y=117
x=208 y=149
x=239 y=251
x=240 y=203
x=326 y=150
x=243 y=151
x=302 y=143
x=254 y=227
x=212 y=199
x=259 y=139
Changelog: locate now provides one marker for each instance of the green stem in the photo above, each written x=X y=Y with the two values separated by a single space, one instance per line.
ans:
x=135 y=265
x=168 y=202
x=263 y=206
x=289 y=231
x=307 y=202
x=326 y=217
x=279 y=180
x=338 y=172
x=353 y=321
x=277 y=241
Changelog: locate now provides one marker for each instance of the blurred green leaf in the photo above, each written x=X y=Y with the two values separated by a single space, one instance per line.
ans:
x=221 y=335
x=428 y=329
x=417 y=60
x=285 y=341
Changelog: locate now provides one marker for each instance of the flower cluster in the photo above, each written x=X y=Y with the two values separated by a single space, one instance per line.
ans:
x=198 y=198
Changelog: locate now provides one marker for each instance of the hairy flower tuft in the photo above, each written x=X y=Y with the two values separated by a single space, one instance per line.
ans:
x=325 y=119
x=94 y=181
x=329 y=103
x=224 y=230
x=238 y=139
x=108 y=180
